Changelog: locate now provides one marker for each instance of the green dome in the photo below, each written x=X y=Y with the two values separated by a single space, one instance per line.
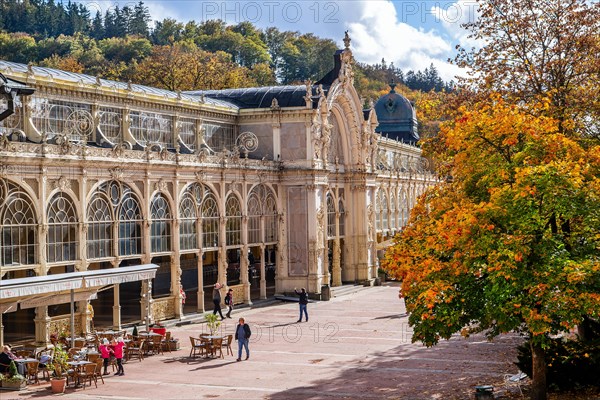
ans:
x=397 y=117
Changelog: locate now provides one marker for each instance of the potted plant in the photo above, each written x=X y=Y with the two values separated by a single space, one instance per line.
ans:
x=212 y=322
x=59 y=369
x=14 y=380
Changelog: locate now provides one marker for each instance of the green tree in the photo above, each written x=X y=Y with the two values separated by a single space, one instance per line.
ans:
x=17 y=47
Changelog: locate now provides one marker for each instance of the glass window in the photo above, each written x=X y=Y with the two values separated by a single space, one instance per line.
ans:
x=62 y=230
x=18 y=226
x=233 y=227
x=342 y=212
x=100 y=223
x=330 y=216
x=160 y=228
x=210 y=222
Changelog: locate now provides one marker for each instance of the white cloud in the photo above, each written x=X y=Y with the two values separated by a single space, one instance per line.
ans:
x=378 y=33
x=453 y=16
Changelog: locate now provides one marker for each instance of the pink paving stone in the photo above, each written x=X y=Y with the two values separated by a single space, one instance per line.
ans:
x=354 y=347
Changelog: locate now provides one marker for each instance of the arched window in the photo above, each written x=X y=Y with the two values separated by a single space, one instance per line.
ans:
x=254 y=215
x=233 y=228
x=210 y=221
x=99 y=233
x=262 y=204
x=61 y=242
x=342 y=213
x=114 y=210
x=190 y=210
x=384 y=212
x=271 y=218
x=160 y=229
x=378 y=207
x=130 y=224
x=330 y=216
x=18 y=226
x=392 y=211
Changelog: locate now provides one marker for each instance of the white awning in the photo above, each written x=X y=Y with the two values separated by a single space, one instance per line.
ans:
x=23 y=289
x=58 y=299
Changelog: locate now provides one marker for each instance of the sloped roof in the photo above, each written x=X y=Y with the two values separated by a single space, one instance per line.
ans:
x=261 y=97
x=8 y=66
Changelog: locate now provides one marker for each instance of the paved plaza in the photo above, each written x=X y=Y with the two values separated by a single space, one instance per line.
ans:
x=356 y=346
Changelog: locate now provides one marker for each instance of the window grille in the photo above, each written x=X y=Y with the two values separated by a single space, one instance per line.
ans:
x=57 y=117
x=99 y=232
x=219 y=137
x=210 y=222
x=187 y=132
x=342 y=220
x=271 y=219
x=254 y=215
x=330 y=216
x=18 y=226
x=14 y=121
x=393 y=218
x=62 y=230
x=378 y=205
x=151 y=128
x=384 y=212
x=110 y=123
x=233 y=228
x=160 y=228
x=114 y=200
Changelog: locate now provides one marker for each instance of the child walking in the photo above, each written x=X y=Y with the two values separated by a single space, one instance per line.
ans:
x=118 y=349
x=105 y=351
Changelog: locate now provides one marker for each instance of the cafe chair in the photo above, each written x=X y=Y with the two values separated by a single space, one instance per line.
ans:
x=135 y=349
x=217 y=347
x=227 y=344
x=155 y=345
x=99 y=369
x=32 y=370
x=198 y=347
x=87 y=373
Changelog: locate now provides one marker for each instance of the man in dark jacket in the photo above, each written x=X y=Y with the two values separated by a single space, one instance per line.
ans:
x=242 y=335
x=217 y=300
x=303 y=302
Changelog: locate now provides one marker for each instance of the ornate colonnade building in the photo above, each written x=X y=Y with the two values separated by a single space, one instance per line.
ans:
x=264 y=189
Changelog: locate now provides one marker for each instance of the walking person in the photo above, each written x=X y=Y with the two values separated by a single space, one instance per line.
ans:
x=229 y=302
x=242 y=335
x=105 y=351
x=117 y=347
x=303 y=302
x=217 y=300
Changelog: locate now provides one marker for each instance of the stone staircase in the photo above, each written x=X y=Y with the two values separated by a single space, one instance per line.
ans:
x=348 y=289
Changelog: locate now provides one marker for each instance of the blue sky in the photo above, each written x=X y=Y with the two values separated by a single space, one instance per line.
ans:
x=412 y=34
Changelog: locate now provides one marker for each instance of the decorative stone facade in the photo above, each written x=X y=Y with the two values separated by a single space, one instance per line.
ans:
x=97 y=174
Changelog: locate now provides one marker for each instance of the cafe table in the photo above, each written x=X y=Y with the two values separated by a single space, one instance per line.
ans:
x=21 y=364
x=77 y=368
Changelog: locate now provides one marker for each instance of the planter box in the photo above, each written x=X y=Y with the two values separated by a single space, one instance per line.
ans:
x=19 y=385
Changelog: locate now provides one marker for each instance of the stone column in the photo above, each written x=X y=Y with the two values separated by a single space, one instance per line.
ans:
x=244 y=274
x=200 y=307
x=42 y=324
x=117 y=300
x=263 y=279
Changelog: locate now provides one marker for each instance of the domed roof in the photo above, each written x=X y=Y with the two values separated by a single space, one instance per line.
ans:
x=396 y=116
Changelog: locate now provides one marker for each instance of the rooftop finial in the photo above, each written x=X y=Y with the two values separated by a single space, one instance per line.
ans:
x=392 y=86
x=347 y=40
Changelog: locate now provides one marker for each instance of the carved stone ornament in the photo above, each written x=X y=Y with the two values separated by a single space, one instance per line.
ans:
x=62 y=184
x=6 y=170
x=200 y=177
x=161 y=185
x=116 y=174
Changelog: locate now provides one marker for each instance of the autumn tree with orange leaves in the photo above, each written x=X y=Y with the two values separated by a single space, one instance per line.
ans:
x=510 y=241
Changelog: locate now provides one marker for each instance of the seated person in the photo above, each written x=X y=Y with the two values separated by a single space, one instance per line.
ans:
x=5 y=358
